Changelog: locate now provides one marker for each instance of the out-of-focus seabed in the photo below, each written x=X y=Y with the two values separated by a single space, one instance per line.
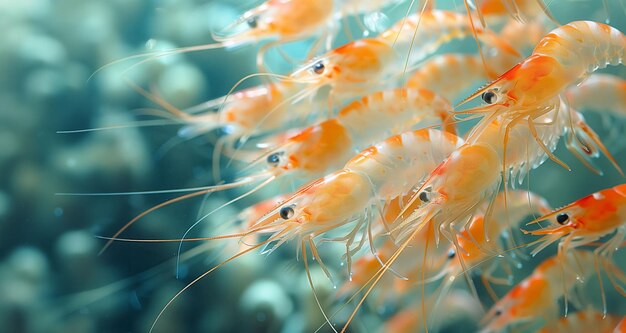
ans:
x=51 y=278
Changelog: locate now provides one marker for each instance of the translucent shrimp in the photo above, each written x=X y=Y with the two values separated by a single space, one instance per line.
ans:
x=361 y=66
x=585 y=221
x=599 y=93
x=582 y=321
x=329 y=144
x=536 y=296
x=566 y=56
x=521 y=10
x=457 y=304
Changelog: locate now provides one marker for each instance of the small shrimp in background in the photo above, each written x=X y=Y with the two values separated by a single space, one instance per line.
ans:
x=536 y=296
x=586 y=220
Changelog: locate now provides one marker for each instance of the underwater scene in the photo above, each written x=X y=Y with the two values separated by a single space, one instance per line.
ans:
x=312 y=166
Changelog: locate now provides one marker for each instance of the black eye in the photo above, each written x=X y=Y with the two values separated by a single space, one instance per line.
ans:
x=562 y=218
x=424 y=196
x=498 y=312
x=252 y=22
x=273 y=159
x=489 y=97
x=451 y=254
x=318 y=67
x=286 y=212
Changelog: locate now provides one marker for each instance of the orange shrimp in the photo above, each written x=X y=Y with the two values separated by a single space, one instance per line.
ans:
x=537 y=295
x=585 y=221
x=582 y=321
x=329 y=144
x=360 y=66
x=566 y=56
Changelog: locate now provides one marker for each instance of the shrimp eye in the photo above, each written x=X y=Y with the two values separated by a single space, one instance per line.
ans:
x=498 y=312
x=273 y=159
x=424 y=196
x=252 y=22
x=451 y=254
x=562 y=218
x=318 y=67
x=286 y=212
x=489 y=97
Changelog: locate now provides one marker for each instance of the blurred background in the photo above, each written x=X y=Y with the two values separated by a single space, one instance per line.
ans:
x=51 y=276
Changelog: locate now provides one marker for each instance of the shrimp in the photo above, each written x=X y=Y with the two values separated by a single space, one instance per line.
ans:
x=329 y=144
x=537 y=295
x=566 y=56
x=585 y=221
x=476 y=243
x=360 y=66
x=582 y=321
